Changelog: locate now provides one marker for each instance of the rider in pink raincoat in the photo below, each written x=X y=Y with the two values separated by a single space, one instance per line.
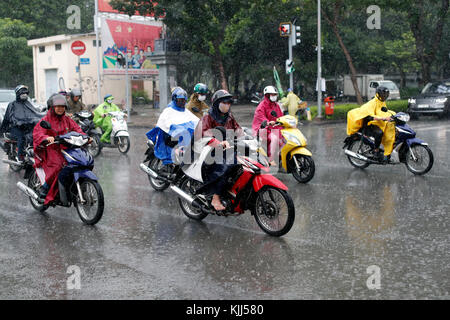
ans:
x=263 y=112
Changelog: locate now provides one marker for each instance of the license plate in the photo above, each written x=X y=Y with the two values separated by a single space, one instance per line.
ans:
x=423 y=106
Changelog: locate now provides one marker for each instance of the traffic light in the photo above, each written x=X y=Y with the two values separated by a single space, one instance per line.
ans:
x=295 y=35
x=285 y=29
x=289 y=66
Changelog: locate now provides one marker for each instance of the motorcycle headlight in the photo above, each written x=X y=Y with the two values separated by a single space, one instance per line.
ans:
x=76 y=140
x=292 y=138
x=292 y=123
x=404 y=117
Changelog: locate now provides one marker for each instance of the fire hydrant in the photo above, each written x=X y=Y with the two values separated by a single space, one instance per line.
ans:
x=329 y=105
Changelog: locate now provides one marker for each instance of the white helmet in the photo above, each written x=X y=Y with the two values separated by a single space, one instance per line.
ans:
x=269 y=90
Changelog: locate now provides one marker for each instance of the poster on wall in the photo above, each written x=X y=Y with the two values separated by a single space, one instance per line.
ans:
x=131 y=40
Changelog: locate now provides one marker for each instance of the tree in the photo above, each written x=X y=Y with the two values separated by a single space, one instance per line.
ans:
x=16 y=56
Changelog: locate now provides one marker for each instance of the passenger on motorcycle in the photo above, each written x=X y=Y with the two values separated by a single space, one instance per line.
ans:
x=49 y=162
x=377 y=120
x=74 y=103
x=101 y=118
x=263 y=113
x=175 y=125
x=20 y=118
x=219 y=116
x=196 y=102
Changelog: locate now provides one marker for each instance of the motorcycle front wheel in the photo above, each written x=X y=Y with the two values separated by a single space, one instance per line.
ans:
x=123 y=144
x=357 y=146
x=274 y=211
x=90 y=210
x=419 y=159
x=305 y=170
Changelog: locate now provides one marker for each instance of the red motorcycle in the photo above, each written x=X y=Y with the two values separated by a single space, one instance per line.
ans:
x=250 y=186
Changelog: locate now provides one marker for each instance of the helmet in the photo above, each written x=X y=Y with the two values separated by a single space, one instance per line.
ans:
x=219 y=96
x=174 y=88
x=56 y=99
x=21 y=89
x=108 y=96
x=269 y=90
x=382 y=93
x=75 y=93
x=201 y=88
x=179 y=93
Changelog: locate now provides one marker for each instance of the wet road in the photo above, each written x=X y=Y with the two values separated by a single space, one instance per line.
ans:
x=145 y=248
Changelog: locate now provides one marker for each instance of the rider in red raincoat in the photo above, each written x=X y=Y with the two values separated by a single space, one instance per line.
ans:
x=49 y=160
x=263 y=112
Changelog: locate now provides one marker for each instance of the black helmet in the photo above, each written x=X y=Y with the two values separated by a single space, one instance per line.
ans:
x=75 y=93
x=219 y=96
x=21 y=89
x=56 y=99
x=382 y=93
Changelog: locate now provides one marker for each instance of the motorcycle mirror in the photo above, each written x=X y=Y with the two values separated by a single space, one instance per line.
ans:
x=44 y=124
x=384 y=109
x=263 y=124
x=273 y=113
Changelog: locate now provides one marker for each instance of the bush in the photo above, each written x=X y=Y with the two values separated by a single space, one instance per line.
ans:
x=140 y=96
x=408 y=92
x=340 y=110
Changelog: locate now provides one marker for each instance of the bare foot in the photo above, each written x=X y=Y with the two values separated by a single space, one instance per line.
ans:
x=216 y=203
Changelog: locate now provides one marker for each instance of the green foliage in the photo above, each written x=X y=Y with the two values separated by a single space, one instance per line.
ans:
x=16 y=56
x=140 y=96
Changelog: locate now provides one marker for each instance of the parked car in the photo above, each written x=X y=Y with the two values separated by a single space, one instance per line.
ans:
x=6 y=96
x=433 y=100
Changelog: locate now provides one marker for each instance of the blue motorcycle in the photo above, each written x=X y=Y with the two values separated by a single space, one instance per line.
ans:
x=81 y=187
x=408 y=149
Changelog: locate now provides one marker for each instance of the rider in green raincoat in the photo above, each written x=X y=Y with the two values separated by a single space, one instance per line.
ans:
x=102 y=120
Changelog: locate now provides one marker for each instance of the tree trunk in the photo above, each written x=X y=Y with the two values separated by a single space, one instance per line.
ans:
x=334 y=26
x=218 y=61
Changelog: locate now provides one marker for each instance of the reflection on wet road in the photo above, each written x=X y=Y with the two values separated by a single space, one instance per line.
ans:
x=145 y=248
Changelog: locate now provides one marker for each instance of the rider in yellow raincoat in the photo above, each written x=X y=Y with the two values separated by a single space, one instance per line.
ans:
x=379 y=125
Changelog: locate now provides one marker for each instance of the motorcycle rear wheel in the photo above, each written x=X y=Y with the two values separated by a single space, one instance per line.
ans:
x=189 y=210
x=35 y=184
x=416 y=161
x=274 y=211
x=93 y=196
x=95 y=147
x=155 y=164
x=307 y=168
x=13 y=157
x=356 y=148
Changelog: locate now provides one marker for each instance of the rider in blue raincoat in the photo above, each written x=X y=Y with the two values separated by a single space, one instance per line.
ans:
x=175 y=125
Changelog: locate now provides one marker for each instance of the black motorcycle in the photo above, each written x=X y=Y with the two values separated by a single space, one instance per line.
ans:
x=85 y=120
x=9 y=145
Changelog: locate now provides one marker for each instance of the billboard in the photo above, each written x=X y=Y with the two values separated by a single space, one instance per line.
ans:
x=121 y=39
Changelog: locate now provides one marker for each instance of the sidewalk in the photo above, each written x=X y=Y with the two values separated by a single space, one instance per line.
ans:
x=147 y=117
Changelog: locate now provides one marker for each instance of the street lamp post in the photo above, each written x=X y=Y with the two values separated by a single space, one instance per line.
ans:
x=319 y=64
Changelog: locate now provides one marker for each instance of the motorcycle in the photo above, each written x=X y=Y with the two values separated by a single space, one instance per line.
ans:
x=84 y=192
x=408 y=149
x=9 y=145
x=84 y=120
x=249 y=186
x=294 y=157
x=120 y=138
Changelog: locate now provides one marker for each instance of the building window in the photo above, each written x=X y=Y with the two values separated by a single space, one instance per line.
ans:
x=94 y=43
x=58 y=46
x=41 y=48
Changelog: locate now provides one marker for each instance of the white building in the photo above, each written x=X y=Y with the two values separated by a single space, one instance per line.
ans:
x=55 y=67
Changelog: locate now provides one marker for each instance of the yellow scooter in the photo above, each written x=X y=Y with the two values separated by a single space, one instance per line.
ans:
x=294 y=157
